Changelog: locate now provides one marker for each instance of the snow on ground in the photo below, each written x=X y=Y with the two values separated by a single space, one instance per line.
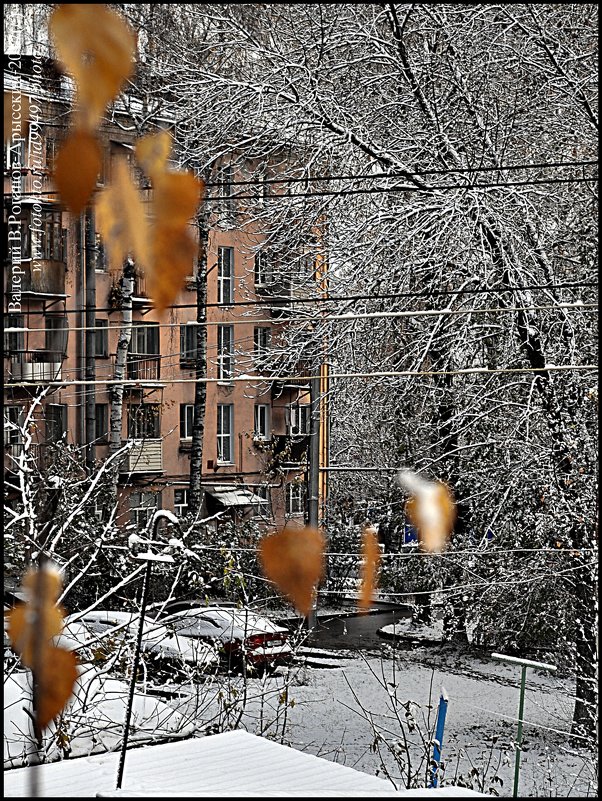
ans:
x=93 y=722
x=320 y=712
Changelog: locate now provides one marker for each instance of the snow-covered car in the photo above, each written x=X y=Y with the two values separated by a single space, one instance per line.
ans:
x=102 y=632
x=245 y=638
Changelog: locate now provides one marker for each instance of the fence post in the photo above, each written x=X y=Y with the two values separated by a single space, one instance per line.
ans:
x=437 y=745
x=524 y=663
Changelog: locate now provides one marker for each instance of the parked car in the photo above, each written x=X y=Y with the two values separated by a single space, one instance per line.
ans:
x=245 y=638
x=103 y=632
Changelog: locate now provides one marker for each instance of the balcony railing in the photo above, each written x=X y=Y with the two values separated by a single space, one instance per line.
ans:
x=144 y=456
x=45 y=278
x=142 y=367
x=40 y=366
x=13 y=452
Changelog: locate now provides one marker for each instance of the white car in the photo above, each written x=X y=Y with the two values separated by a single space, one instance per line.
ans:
x=245 y=638
x=99 y=629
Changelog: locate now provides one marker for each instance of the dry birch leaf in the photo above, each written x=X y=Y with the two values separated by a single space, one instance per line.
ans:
x=97 y=47
x=152 y=153
x=121 y=219
x=176 y=198
x=31 y=628
x=55 y=683
x=76 y=170
x=293 y=559
x=370 y=563
x=430 y=509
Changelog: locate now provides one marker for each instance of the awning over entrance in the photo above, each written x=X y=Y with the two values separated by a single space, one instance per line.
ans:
x=234 y=496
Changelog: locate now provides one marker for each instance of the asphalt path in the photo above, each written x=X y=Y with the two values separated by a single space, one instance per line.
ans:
x=353 y=631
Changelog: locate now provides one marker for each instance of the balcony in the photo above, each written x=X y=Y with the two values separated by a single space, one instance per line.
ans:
x=43 y=278
x=144 y=456
x=38 y=366
x=143 y=367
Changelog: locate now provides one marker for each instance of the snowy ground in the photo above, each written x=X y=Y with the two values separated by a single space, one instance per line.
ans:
x=320 y=711
x=326 y=719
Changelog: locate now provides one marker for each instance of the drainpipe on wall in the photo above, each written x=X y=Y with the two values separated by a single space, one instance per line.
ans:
x=90 y=340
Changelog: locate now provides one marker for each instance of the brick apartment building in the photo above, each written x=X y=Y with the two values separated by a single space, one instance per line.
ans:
x=62 y=320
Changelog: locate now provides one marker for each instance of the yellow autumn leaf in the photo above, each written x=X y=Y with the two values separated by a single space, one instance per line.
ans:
x=31 y=627
x=430 y=509
x=76 y=170
x=121 y=219
x=152 y=152
x=293 y=558
x=369 y=566
x=97 y=47
x=176 y=198
x=55 y=683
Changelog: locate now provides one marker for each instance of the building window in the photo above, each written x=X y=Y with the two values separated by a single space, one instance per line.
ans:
x=224 y=188
x=225 y=433
x=101 y=425
x=188 y=349
x=225 y=276
x=180 y=502
x=101 y=254
x=263 y=270
x=225 y=352
x=299 y=419
x=13 y=425
x=262 y=341
x=144 y=421
x=49 y=245
x=186 y=420
x=14 y=341
x=57 y=331
x=101 y=339
x=143 y=357
x=142 y=507
x=261 y=421
x=56 y=422
x=295 y=498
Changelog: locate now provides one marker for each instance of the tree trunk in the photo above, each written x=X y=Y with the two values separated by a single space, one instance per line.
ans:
x=116 y=391
x=196 y=496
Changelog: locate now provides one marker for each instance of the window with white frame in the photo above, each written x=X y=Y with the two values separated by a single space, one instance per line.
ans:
x=225 y=276
x=142 y=507
x=262 y=341
x=225 y=352
x=295 y=498
x=224 y=188
x=299 y=419
x=180 y=502
x=186 y=420
x=263 y=271
x=225 y=433
x=261 y=427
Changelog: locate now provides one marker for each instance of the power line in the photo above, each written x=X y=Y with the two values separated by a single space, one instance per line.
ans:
x=402 y=174
x=376 y=190
x=361 y=296
x=349 y=316
x=158 y=383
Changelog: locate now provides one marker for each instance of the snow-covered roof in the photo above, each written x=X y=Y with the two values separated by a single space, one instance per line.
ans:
x=231 y=764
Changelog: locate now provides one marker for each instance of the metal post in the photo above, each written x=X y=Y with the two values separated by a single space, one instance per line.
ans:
x=524 y=663
x=437 y=745
x=128 y=713
x=313 y=479
x=90 y=339
x=519 y=735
